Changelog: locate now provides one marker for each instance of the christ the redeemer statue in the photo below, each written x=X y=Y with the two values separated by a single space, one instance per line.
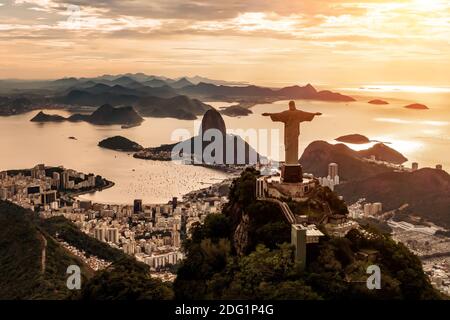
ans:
x=292 y=119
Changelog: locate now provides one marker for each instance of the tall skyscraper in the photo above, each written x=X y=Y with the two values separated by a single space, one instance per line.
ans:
x=137 y=206
x=65 y=177
x=113 y=235
x=174 y=203
x=100 y=233
x=332 y=170
x=56 y=180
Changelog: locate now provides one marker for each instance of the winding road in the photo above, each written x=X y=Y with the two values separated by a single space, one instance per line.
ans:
x=43 y=254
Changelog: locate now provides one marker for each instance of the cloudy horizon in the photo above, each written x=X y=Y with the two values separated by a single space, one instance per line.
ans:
x=257 y=41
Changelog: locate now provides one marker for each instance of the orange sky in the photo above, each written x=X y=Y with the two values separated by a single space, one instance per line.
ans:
x=259 y=41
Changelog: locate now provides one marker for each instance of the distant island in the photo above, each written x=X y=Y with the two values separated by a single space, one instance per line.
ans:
x=416 y=106
x=105 y=115
x=353 y=138
x=120 y=143
x=236 y=111
x=43 y=117
x=378 y=101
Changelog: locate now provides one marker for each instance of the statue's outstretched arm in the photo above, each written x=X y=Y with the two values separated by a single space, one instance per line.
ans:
x=308 y=116
x=276 y=116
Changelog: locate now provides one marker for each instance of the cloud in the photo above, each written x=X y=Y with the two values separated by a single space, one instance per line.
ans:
x=328 y=33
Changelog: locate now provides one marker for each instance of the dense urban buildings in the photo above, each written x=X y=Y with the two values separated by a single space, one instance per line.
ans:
x=152 y=233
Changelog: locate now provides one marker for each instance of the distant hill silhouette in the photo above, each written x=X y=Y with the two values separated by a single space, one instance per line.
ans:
x=383 y=153
x=104 y=115
x=319 y=154
x=161 y=102
x=154 y=83
x=43 y=117
x=183 y=82
x=294 y=92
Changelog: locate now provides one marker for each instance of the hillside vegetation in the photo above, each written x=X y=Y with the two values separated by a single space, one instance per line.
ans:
x=21 y=247
x=215 y=268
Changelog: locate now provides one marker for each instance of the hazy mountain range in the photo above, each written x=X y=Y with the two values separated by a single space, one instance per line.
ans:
x=151 y=96
x=16 y=85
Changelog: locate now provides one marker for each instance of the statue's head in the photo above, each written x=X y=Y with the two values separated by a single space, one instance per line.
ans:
x=292 y=105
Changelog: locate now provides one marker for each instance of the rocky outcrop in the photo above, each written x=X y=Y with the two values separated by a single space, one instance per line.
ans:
x=107 y=114
x=120 y=143
x=236 y=111
x=212 y=120
x=383 y=153
x=352 y=166
x=43 y=117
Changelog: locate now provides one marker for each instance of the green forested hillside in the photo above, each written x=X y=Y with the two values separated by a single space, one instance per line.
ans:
x=216 y=267
x=22 y=243
x=23 y=237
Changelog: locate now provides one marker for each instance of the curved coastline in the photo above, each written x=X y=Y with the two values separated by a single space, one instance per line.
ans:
x=108 y=185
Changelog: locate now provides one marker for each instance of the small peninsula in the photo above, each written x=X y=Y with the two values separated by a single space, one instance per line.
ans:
x=120 y=143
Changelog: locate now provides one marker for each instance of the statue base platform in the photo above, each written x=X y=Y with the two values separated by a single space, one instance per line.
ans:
x=291 y=173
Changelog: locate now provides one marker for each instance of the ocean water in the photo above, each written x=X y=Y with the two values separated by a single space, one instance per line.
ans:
x=423 y=136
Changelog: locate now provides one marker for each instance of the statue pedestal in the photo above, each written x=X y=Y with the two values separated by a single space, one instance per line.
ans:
x=291 y=173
